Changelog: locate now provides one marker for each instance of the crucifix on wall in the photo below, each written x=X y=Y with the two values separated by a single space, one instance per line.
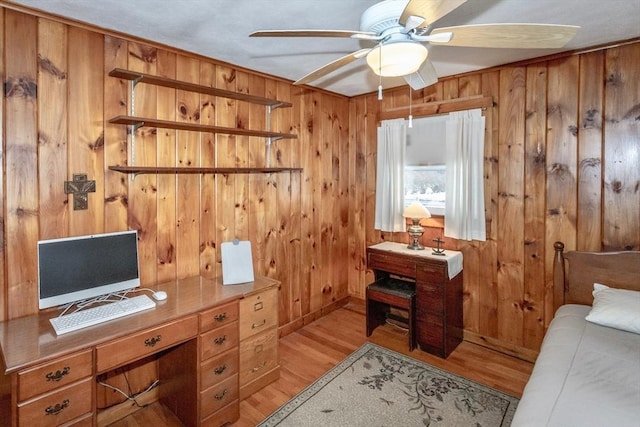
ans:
x=80 y=188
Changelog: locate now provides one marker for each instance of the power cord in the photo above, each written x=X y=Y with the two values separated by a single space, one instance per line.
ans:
x=131 y=397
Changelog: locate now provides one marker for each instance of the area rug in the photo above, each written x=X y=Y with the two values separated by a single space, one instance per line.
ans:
x=377 y=387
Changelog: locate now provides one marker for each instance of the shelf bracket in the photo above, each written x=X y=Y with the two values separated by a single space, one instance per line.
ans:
x=267 y=154
x=278 y=105
x=133 y=128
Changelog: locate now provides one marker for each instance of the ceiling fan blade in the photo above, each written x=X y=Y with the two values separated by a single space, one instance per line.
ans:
x=425 y=76
x=332 y=66
x=523 y=36
x=431 y=11
x=316 y=33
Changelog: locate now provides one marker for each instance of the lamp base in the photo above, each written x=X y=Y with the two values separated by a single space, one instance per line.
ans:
x=415 y=231
x=417 y=247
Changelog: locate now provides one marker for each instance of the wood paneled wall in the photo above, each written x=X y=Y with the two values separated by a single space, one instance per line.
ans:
x=563 y=165
x=58 y=101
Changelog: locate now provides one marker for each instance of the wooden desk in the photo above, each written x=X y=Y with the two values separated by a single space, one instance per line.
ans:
x=194 y=334
x=438 y=288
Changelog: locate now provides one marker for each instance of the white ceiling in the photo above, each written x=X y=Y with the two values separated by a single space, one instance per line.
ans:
x=220 y=28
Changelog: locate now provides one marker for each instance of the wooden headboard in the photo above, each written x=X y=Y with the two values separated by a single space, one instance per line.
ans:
x=575 y=272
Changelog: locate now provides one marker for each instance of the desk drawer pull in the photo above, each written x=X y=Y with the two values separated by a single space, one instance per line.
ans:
x=151 y=342
x=257 y=325
x=220 y=317
x=221 y=396
x=260 y=366
x=220 y=340
x=220 y=369
x=58 y=375
x=55 y=410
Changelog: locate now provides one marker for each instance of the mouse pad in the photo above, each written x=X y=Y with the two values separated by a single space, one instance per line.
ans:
x=237 y=263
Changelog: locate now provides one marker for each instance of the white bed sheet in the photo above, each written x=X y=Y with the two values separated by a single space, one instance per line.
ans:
x=586 y=375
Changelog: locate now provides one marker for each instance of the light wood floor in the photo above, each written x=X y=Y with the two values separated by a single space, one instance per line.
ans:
x=311 y=351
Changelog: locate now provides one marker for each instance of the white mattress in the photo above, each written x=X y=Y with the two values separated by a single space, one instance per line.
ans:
x=585 y=375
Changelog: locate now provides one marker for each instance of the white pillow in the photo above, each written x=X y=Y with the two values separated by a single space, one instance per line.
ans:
x=615 y=308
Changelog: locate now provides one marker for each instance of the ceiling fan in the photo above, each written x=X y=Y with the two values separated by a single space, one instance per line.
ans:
x=400 y=30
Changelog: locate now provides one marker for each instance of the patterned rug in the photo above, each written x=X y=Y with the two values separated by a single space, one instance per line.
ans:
x=377 y=387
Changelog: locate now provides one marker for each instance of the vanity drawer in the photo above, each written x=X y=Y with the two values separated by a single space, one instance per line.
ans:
x=58 y=407
x=396 y=264
x=55 y=374
x=259 y=312
x=258 y=355
x=218 y=316
x=219 y=396
x=218 y=368
x=119 y=352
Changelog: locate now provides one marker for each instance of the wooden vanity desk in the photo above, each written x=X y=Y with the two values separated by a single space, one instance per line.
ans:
x=428 y=285
x=195 y=336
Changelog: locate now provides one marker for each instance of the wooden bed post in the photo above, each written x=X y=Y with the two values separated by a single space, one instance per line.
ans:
x=558 y=276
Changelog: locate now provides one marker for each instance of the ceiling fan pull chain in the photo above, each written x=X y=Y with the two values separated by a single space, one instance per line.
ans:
x=410 y=101
x=380 y=75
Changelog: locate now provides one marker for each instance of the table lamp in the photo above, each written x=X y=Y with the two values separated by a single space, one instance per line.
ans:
x=415 y=211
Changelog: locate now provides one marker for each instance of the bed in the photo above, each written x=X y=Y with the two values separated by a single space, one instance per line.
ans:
x=587 y=374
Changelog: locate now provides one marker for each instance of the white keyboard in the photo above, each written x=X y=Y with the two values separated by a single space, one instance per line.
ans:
x=102 y=313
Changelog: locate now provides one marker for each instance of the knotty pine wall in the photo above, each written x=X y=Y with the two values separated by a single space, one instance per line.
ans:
x=563 y=166
x=58 y=100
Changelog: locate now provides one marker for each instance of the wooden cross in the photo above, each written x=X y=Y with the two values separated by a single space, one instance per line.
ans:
x=79 y=187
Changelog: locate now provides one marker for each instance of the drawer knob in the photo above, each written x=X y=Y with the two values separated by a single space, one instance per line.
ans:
x=220 y=340
x=55 y=410
x=151 y=342
x=221 y=396
x=220 y=317
x=58 y=374
x=257 y=325
x=220 y=369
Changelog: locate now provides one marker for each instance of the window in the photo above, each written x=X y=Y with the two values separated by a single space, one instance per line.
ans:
x=424 y=171
x=417 y=153
x=425 y=184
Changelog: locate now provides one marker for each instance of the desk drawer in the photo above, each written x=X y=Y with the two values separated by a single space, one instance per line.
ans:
x=119 y=352
x=55 y=374
x=259 y=312
x=218 y=368
x=258 y=355
x=396 y=264
x=218 y=316
x=219 y=396
x=219 y=340
x=58 y=407
x=225 y=416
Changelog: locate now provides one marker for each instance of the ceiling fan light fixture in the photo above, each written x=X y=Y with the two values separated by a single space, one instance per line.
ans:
x=397 y=58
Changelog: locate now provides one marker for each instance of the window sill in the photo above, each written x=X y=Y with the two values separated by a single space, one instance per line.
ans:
x=436 y=221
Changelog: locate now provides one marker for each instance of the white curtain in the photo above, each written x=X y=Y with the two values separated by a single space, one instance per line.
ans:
x=464 y=212
x=392 y=141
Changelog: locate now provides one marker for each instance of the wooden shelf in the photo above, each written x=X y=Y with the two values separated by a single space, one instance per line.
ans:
x=196 y=170
x=176 y=84
x=136 y=122
x=167 y=124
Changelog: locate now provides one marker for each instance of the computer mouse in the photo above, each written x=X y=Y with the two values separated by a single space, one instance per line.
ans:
x=160 y=295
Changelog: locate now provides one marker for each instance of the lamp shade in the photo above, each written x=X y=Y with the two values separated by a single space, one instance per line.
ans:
x=398 y=58
x=416 y=210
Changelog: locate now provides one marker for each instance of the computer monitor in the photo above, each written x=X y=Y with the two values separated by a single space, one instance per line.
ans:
x=78 y=268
